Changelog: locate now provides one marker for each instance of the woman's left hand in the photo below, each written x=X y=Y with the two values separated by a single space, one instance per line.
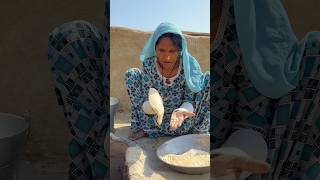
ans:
x=178 y=117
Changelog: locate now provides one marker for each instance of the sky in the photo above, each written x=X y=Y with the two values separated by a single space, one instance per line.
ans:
x=146 y=15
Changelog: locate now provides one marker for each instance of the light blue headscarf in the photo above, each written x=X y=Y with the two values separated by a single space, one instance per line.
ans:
x=271 y=51
x=193 y=75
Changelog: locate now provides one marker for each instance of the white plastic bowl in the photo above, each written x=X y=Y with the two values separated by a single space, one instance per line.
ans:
x=182 y=144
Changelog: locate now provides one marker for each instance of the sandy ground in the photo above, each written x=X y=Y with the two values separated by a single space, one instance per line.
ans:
x=117 y=160
x=118 y=150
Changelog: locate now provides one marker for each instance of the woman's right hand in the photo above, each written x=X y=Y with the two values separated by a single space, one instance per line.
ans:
x=231 y=166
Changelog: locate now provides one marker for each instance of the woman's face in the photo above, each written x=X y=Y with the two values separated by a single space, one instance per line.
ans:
x=167 y=52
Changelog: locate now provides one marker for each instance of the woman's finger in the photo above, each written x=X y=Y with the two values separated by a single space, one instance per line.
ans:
x=180 y=123
x=187 y=114
x=173 y=116
x=173 y=123
x=180 y=116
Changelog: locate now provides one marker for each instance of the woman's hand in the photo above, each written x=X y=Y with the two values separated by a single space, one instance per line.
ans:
x=231 y=166
x=177 y=118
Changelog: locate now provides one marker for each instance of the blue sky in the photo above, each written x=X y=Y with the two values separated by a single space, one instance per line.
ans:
x=189 y=15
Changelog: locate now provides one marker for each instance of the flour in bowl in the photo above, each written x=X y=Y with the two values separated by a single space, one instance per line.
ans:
x=191 y=158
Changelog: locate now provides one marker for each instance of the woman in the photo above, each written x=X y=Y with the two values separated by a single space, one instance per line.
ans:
x=78 y=59
x=264 y=81
x=176 y=75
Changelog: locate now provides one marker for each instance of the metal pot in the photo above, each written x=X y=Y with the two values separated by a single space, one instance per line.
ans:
x=114 y=102
x=13 y=136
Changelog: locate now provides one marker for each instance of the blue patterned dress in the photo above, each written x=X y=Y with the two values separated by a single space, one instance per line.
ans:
x=77 y=59
x=290 y=125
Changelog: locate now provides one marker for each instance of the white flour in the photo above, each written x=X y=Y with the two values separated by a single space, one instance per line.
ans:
x=191 y=158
